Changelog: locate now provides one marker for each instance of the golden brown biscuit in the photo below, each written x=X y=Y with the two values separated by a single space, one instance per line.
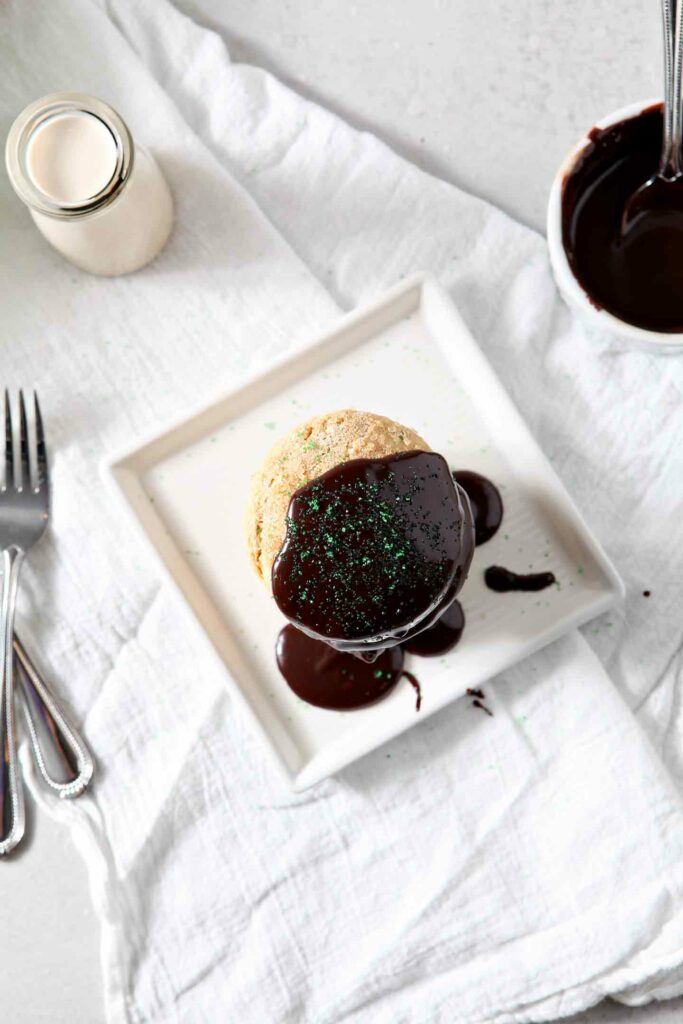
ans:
x=304 y=453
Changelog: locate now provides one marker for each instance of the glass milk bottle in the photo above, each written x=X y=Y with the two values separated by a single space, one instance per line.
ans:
x=99 y=199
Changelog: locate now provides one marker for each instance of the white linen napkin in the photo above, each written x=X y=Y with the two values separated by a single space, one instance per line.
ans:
x=509 y=869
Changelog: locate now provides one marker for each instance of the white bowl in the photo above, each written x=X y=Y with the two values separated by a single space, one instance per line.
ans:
x=570 y=288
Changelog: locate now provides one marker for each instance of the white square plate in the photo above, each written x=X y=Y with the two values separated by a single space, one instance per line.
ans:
x=408 y=356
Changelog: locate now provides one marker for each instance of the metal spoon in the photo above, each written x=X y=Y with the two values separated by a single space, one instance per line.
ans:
x=659 y=193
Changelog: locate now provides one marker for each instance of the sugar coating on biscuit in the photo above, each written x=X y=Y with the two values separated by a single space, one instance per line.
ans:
x=304 y=453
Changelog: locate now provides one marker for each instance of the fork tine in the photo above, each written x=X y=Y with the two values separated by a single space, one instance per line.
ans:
x=9 y=444
x=23 y=444
x=41 y=452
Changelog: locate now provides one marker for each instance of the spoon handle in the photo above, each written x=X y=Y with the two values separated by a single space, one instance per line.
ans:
x=670 y=161
x=62 y=757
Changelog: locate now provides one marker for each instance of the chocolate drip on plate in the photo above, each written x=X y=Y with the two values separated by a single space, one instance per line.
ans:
x=415 y=683
x=485 y=500
x=503 y=580
x=441 y=637
x=321 y=675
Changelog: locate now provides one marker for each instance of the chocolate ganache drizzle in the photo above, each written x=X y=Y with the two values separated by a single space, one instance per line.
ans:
x=375 y=550
x=487 y=511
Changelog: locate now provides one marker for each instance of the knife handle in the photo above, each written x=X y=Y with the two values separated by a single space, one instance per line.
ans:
x=61 y=755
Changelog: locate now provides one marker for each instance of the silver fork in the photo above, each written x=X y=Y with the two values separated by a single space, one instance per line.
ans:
x=24 y=511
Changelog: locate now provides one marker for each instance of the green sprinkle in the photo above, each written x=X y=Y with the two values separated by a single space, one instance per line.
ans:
x=270 y=425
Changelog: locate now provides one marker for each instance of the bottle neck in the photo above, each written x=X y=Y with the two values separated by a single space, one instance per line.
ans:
x=69 y=155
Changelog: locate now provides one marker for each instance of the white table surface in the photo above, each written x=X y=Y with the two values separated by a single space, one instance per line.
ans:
x=487 y=95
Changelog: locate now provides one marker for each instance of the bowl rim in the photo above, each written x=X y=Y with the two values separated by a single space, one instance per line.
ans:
x=567 y=282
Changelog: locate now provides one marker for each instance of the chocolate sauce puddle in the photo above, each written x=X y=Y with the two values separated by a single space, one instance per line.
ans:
x=336 y=680
x=486 y=502
x=441 y=637
x=637 y=274
x=503 y=580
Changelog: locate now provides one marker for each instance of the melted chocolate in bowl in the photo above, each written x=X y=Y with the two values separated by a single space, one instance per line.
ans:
x=638 y=274
x=375 y=550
